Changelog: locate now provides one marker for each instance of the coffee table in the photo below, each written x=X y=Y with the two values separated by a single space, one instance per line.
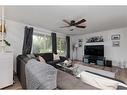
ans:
x=64 y=68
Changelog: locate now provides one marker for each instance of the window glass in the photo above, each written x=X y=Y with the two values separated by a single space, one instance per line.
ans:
x=48 y=44
x=61 y=46
x=42 y=43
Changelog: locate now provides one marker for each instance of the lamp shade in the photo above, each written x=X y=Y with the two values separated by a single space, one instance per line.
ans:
x=1 y=28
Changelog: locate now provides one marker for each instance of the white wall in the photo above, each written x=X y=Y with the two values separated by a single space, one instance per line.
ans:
x=116 y=54
x=15 y=36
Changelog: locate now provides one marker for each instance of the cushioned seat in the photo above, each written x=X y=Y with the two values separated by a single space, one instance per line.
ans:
x=67 y=81
x=54 y=61
x=49 y=58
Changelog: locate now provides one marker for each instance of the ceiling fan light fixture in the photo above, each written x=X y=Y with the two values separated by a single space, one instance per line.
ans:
x=72 y=28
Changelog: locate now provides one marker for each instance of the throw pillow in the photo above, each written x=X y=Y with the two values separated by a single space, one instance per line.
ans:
x=56 y=57
x=67 y=62
x=41 y=59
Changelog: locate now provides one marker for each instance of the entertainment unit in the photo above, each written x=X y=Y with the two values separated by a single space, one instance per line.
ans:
x=94 y=54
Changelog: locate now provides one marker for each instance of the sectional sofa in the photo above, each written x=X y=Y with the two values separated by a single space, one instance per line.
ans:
x=64 y=80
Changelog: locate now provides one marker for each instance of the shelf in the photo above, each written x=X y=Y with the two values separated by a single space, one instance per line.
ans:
x=98 y=43
x=95 y=42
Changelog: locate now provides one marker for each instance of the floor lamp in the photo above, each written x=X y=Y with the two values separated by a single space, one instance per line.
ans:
x=76 y=48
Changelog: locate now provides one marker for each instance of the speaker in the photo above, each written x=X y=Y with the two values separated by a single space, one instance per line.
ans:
x=108 y=63
x=100 y=61
x=86 y=59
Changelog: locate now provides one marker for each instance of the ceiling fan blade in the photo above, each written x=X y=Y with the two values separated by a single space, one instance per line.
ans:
x=66 y=21
x=81 y=21
x=81 y=26
x=64 y=26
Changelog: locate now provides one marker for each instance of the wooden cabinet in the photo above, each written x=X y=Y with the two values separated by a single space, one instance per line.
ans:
x=6 y=69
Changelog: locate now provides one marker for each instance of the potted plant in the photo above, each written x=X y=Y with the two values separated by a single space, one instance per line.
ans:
x=7 y=43
x=7 y=46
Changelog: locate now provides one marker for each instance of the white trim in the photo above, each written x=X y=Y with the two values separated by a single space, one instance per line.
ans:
x=42 y=31
x=48 y=32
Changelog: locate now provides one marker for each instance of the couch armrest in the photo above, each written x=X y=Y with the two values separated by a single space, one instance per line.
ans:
x=21 y=62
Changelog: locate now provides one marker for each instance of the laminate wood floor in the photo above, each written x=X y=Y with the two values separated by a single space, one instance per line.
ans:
x=15 y=86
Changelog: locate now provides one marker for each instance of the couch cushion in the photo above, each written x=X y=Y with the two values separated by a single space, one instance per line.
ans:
x=46 y=56
x=67 y=81
x=57 y=61
x=53 y=63
x=63 y=58
x=41 y=59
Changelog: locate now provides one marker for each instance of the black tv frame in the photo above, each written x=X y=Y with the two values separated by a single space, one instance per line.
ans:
x=95 y=58
x=91 y=50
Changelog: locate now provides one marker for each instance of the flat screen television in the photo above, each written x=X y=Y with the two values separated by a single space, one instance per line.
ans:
x=94 y=50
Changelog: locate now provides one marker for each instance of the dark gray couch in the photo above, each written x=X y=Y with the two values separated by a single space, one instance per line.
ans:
x=49 y=58
x=64 y=80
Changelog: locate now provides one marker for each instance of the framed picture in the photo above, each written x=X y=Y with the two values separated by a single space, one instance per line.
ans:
x=80 y=42
x=116 y=43
x=115 y=37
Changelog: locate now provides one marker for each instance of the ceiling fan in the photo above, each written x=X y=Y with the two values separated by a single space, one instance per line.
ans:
x=74 y=23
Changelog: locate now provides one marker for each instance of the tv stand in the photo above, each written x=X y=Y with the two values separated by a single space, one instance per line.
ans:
x=102 y=70
x=97 y=60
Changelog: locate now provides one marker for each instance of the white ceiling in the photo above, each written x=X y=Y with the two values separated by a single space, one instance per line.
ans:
x=99 y=18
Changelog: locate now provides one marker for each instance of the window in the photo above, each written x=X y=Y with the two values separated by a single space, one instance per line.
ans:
x=42 y=43
x=61 y=46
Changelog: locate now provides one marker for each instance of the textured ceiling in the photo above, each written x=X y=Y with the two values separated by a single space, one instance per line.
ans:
x=99 y=18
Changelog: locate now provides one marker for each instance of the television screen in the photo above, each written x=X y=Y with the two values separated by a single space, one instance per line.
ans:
x=95 y=50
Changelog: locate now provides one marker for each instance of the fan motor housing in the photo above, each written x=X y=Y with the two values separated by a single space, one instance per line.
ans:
x=72 y=23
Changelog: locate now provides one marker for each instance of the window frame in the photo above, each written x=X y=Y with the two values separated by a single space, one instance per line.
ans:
x=62 y=36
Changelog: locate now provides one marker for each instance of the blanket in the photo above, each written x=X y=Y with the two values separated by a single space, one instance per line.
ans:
x=40 y=75
x=100 y=81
